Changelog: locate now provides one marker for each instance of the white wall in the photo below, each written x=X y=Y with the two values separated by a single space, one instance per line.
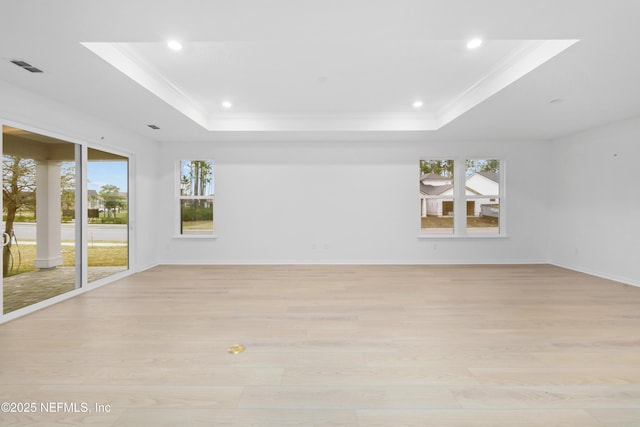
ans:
x=25 y=109
x=351 y=202
x=595 y=226
x=331 y=202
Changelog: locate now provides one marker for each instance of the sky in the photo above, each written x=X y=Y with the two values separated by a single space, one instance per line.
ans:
x=103 y=173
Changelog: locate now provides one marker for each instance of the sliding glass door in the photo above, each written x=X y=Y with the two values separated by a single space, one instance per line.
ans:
x=40 y=218
x=56 y=236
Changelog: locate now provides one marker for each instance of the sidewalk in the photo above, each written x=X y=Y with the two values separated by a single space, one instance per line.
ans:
x=90 y=243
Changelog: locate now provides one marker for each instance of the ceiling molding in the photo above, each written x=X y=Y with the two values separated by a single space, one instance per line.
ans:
x=532 y=55
x=529 y=55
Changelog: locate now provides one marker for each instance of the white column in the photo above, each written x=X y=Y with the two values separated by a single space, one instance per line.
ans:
x=49 y=248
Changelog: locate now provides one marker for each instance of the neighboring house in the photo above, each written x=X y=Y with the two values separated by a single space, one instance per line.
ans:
x=435 y=179
x=442 y=206
x=483 y=183
x=480 y=183
x=432 y=184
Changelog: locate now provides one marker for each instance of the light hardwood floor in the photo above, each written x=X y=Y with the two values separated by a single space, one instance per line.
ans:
x=521 y=346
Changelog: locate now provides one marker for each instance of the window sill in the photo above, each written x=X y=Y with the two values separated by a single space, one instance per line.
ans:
x=196 y=236
x=435 y=237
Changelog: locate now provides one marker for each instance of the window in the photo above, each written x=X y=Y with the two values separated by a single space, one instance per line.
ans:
x=196 y=197
x=482 y=194
x=461 y=201
x=437 y=200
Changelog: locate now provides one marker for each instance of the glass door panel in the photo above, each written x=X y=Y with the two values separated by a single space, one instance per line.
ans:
x=108 y=214
x=39 y=211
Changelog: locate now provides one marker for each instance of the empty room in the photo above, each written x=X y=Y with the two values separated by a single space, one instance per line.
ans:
x=303 y=213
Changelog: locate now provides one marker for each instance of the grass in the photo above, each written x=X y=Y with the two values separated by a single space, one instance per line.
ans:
x=197 y=225
x=106 y=256
x=23 y=257
x=447 y=221
x=120 y=218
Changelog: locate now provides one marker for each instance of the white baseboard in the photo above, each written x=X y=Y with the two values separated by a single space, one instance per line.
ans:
x=147 y=267
x=620 y=279
x=352 y=262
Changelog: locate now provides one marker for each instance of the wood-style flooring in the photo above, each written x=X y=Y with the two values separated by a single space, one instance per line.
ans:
x=521 y=346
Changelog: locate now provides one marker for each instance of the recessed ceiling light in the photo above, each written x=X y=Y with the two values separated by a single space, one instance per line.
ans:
x=417 y=104
x=227 y=104
x=174 y=45
x=473 y=44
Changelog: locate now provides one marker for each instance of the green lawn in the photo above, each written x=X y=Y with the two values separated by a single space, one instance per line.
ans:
x=23 y=257
x=447 y=221
x=197 y=225
x=120 y=218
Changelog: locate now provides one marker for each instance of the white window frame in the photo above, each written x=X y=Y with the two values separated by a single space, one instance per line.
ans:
x=500 y=197
x=460 y=199
x=203 y=234
x=453 y=198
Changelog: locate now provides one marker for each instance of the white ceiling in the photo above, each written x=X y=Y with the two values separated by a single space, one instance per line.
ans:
x=327 y=85
x=331 y=69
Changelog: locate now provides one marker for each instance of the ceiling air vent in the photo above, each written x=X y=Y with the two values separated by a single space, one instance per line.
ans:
x=26 y=66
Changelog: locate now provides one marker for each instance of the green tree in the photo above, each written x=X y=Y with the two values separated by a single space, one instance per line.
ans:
x=491 y=165
x=438 y=167
x=197 y=175
x=68 y=186
x=112 y=200
x=18 y=189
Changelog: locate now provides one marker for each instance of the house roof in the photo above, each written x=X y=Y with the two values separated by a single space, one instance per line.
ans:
x=434 y=177
x=490 y=175
x=434 y=190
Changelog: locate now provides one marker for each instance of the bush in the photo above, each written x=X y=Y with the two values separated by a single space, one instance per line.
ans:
x=112 y=220
x=197 y=214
